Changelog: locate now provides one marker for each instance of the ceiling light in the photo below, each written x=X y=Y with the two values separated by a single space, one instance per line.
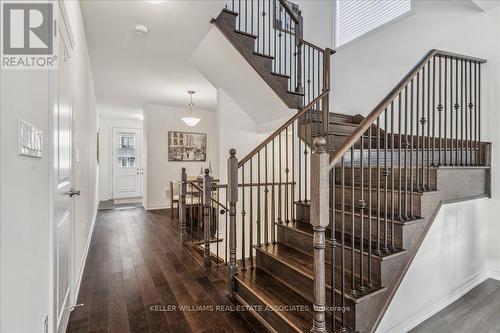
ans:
x=190 y=120
x=154 y=2
x=141 y=29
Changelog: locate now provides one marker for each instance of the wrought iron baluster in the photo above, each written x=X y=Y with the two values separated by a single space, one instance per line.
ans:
x=445 y=110
x=250 y=249
x=266 y=201
x=243 y=214
x=392 y=177
x=377 y=251
x=342 y=245
x=412 y=147
x=362 y=207
x=462 y=102
x=386 y=180
x=353 y=223
x=259 y=216
x=370 y=141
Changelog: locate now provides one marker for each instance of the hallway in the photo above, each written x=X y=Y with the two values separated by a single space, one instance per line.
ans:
x=135 y=263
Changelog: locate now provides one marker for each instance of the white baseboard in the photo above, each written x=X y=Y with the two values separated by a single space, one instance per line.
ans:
x=156 y=207
x=85 y=253
x=494 y=270
x=128 y=200
x=431 y=308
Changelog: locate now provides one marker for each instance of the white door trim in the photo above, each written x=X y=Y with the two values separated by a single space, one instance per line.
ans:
x=63 y=30
x=112 y=155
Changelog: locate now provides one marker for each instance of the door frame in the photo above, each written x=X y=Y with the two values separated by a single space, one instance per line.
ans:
x=62 y=25
x=139 y=158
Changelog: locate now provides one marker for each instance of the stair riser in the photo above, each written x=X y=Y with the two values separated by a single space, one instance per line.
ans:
x=270 y=318
x=227 y=22
x=398 y=227
x=405 y=174
x=303 y=243
x=313 y=116
x=397 y=156
x=384 y=201
x=301 y=283
x=332 y=128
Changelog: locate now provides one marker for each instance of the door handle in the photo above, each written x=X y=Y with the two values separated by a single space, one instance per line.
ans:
x=73 y=192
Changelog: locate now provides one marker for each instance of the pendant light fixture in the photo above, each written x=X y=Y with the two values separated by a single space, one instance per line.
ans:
x=191 y=120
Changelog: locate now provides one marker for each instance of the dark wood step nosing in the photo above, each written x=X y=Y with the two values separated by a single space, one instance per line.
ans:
x=285 y=76
x=280 y=314
x=246 y=34
x=263 y=55
x=352 y=298
x=296 y=93
x=256 y=314
x=230 y=12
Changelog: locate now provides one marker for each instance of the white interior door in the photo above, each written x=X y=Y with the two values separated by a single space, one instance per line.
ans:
x=63 y=182
x=127 y=170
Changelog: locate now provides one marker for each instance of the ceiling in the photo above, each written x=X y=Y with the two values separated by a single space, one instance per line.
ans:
x=131 y=71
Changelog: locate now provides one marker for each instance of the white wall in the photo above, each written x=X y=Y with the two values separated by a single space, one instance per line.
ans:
x=158 y=121
x=106 y=125
x=363 y=73
x=235 y=129
x=85 y=136
x=318 y=21
x=25 y=186
x=450 y=262
x=24 y=207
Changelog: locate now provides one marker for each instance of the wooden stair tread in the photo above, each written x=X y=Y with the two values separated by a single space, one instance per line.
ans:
x=273 y=293
x=306 y=228
x=358 y=214
x=295 y=93
x=230 y=12
x=245 y=33
x=304 y=264
x=263 y=55
x=281 y=75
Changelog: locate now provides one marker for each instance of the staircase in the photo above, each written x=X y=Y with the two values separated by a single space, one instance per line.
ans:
x=327 y=214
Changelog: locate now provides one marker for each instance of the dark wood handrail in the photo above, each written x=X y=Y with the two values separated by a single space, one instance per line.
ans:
x=316 y=47
x=289 y=11
x=377 y=111
x=213 y=199
x=281 y=128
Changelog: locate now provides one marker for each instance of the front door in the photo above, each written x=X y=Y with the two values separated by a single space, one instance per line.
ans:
x=127 y=169
x=63 y=183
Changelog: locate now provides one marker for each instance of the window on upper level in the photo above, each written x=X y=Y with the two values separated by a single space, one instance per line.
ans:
x=356 y=18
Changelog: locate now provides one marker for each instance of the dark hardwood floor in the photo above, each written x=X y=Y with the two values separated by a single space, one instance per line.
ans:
x=137 y=277
x=477 y=311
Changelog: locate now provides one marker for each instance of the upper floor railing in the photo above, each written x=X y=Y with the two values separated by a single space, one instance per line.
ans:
x=278 y=26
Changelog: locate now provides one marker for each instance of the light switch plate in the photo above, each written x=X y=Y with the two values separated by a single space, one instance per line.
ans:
x=30 y=142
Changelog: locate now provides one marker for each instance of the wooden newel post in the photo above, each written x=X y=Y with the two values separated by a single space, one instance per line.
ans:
x=207 y=205
x=232 y=196
x=182 y=206
x=319 y=220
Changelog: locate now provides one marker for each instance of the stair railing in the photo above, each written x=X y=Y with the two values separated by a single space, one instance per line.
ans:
x=278 y=28
x=203 y=217
x=432 y=118
x=271 y=179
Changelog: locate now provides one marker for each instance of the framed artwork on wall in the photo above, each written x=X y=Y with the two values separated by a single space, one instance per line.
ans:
x=187 y=146
x=282 y=20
